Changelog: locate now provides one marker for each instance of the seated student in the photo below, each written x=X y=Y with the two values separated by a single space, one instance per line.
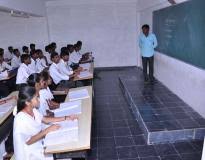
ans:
x=75 y=57
x=25 y=50
x=85 y=56
x=42 y=61
x=35 y=66
x=23 y=71
x=3 y=65
x=63 y=64
x=32 y=47
x=47 y=103
x=9 y=54
x=28 y=130
x=47 y=54
x=16 y=60
x=59 y=78
x=37 y=81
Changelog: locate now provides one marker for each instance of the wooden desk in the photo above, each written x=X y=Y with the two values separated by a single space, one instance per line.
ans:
x=6 y=115
x=84 y=137
x=91 y=70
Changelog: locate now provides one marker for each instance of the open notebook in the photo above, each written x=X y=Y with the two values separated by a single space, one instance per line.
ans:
x=79 y=94
x=68 y=108
x=85 y=66
x=67 y=133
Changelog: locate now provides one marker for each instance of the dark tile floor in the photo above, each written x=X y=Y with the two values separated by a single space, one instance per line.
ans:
x=116 y=134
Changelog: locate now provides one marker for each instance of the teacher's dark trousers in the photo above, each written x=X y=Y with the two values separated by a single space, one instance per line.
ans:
x=148 y=62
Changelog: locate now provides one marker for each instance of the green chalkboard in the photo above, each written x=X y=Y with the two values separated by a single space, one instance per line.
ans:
x=180 y=30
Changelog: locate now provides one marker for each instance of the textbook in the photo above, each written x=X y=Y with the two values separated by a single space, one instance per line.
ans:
x=4 y=108
x=79 y=94
x=68 y=108
x=68 y=132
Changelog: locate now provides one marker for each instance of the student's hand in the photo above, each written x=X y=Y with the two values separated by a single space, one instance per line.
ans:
x=71 y=117
x=66 y=91
x=52 y=128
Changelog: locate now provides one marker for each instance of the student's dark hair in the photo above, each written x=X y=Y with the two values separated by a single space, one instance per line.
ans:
x=69 y=46
x=10 y=47
x=1 y=54
x=79 y=43
x=54 y=54
x=33 y=79
x=24 y=48
x=64 y=54
x=145 y=26
x=24 y=57
x=64 y=51
x=2 y=50
x=32 y=45
x=33 y=52
x=38 y=51
x=44 y=76
x=46 y=48
x=26 y=94
x=15 y=51
x=53 y=44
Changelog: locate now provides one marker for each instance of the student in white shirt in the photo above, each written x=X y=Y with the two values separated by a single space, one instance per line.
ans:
x=9 y=54
x=25 y=50
x=3 y=65
x=40 y=82
x=28 y=132
x=63 y=64
x=35 y=66
x=41 y=61
x=60 y=79
x=16 y=60
x=48 y=54
x=23 y=71
x=75 y=57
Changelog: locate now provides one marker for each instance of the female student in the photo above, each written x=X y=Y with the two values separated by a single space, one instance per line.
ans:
x=40 y=82
x=28 y=132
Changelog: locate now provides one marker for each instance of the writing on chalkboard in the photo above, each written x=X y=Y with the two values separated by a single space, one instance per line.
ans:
x=180 y=31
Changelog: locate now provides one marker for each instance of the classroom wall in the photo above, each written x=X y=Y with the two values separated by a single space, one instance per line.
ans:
x=107 y=27
x=36 y=7
x=22 y=31
x=187 y=81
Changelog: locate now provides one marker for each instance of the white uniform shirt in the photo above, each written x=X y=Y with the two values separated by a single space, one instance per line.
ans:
x=4 y=66
x=56 y=74
x=75 y=57
x=33 y=66
x=8 y=55
x=15 y=61
x=64 y=67
x=44 y=94
x=40 y=65
x=48 y=57
x=26 y=126
x=43 y=62
x=22 y=74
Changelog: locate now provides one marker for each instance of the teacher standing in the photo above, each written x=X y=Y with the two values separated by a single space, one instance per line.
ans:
x=147 y=44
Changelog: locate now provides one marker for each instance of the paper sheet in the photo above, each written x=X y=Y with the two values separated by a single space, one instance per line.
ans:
x=79 y=94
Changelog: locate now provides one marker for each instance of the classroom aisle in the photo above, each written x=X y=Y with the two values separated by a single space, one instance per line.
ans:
x=117 y=136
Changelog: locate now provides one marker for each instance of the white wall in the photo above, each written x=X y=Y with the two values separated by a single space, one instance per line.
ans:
x=187 y=81
x=36 y=7
x=108 y=28
x=22 y=31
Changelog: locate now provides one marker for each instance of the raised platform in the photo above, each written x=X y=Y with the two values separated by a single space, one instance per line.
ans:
x=162 y=115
